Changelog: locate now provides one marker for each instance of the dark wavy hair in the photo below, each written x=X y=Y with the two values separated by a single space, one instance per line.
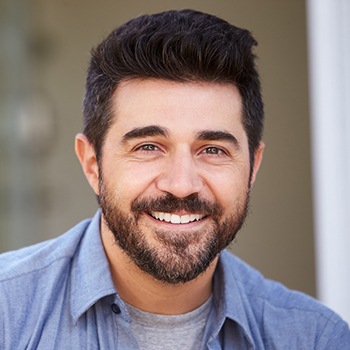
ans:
x=182 y=46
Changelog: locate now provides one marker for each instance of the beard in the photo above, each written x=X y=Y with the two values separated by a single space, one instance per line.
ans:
x=172 y=257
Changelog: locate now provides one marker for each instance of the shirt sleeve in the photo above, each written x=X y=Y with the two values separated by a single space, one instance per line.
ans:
x=336 y=336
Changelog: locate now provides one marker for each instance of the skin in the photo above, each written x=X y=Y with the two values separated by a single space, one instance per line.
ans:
x=199 y=147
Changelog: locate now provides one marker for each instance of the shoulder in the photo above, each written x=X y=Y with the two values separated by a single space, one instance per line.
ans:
x=35 y=287
x=254 y=286
x=277 y=310
x=21 y=263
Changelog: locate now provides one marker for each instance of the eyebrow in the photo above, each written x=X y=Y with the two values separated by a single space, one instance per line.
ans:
x=211 y=135
x=151 y=130
x=204 y=135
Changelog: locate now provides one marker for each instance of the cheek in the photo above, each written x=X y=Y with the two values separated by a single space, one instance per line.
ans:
x=228 y=185
x=131 y=180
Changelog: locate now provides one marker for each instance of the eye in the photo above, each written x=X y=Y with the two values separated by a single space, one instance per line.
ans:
x=148 y=148
x=214 y=151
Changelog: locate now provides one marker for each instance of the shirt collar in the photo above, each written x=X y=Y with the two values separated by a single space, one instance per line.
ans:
x=230 y=300
x=91 y=277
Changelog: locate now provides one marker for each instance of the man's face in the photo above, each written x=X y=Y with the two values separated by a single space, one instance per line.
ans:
x=174 y=174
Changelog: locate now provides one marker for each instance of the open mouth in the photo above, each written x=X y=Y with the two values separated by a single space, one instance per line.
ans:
x=176 y=219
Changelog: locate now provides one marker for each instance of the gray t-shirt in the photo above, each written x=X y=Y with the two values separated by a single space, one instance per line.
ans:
x=163 y=332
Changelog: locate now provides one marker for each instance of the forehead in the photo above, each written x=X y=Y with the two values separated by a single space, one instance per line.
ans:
x=177 y=106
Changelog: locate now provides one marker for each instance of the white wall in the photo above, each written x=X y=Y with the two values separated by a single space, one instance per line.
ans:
x=329 y=45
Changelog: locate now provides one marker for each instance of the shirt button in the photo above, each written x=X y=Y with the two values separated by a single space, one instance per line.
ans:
x=115 y=308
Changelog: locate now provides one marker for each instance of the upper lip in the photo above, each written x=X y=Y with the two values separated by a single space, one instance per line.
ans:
x=175 y=218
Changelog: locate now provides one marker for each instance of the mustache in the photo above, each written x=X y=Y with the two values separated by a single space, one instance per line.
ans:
x=170 y=204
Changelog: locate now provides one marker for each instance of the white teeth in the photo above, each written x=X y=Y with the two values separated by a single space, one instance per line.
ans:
x=176 y=219
x=185 y=219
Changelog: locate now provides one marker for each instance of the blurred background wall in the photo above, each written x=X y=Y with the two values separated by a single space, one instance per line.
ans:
x=44 y=52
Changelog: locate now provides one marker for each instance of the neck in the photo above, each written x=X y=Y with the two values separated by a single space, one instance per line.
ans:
x=144 y=292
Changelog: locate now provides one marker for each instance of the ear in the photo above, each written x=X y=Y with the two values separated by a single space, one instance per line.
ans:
x=87 y=158
x=258 y=155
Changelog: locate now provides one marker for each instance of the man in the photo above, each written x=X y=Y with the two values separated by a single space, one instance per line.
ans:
x=171 y=146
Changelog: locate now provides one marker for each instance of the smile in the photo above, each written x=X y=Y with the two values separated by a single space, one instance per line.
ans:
x=176 y=219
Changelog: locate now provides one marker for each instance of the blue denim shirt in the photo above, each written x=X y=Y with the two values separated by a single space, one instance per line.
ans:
x=59 y=294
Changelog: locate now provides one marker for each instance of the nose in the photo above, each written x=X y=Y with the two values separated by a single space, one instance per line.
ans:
x=180 y=176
